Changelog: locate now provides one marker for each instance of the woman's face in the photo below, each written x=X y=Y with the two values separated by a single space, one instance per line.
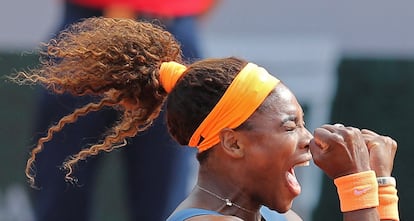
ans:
x=275 y=141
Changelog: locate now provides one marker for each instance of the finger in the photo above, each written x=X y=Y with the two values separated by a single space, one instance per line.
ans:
x=390 y=142
x=339 y=125
x=372 y=144
x=367 y=137
x=330 y=128
x=321 y=143
x=337 y=128
x=319 y=137
x=325 y=138
x=370 y=138
x=394 y=143
x=316 y=151
x=370 y=132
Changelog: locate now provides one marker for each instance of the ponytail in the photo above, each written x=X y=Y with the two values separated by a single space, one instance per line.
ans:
x=116 y=61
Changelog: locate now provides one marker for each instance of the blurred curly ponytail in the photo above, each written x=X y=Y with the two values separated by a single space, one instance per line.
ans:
x=115 y=60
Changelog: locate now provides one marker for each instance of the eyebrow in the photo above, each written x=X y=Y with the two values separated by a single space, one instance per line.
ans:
x=289 y=118
x=292 y=118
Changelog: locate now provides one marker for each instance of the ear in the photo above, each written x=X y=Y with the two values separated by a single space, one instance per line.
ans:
x=228 y=139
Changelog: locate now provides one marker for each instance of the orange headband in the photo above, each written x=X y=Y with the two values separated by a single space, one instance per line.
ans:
x=245 y=94
x=170 y=72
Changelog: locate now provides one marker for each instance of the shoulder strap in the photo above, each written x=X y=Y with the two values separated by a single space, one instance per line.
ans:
x=184 y=214
x=271 y=215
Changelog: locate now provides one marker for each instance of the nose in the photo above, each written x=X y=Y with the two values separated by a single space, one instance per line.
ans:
x=306 y=137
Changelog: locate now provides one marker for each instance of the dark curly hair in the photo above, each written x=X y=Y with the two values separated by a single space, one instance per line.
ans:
x=117 y=61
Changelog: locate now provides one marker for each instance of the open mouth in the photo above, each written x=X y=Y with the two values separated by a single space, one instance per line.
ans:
x=292 y=181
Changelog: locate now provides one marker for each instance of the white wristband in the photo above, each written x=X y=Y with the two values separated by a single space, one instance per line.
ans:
x=386 y=181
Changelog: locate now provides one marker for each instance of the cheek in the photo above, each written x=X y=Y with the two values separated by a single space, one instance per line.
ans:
x=269 y=150
x=280 y=153
x=273 y=152
x=287 y=145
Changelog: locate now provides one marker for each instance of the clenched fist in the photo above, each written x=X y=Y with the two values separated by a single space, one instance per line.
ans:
x=339 y=150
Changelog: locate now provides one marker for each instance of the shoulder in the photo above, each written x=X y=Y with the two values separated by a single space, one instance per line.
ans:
x=214 y=218
x=197 y=214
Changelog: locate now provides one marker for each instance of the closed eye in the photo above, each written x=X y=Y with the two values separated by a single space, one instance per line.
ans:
x=292 y=122
x=290 y=125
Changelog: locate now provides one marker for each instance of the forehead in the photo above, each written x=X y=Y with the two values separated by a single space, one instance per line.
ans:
x=281 y=99
x=280 y=104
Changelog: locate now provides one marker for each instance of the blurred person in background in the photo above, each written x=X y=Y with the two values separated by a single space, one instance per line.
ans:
x=157 y=169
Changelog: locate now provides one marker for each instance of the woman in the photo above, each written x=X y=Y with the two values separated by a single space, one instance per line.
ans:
x=247 y=125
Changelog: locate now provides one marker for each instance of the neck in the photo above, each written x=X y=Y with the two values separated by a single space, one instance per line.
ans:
x=228 y=201
x=220 y=188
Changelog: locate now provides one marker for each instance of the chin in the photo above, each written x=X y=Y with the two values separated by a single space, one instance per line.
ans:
x=282 y=208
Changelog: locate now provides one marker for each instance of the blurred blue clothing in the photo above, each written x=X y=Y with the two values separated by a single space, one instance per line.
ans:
x=271 y=215
x=181 y=215
x=157 y=169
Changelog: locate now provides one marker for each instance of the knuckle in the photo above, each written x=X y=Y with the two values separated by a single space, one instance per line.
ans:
x=349 y=132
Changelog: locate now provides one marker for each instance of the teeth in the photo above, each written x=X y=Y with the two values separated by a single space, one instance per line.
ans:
x=304 y=164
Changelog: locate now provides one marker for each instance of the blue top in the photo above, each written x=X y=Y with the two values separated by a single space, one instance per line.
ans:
x=184 y=214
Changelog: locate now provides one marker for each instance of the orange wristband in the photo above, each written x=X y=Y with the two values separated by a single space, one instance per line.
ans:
x=357 y=191
x=388 y=203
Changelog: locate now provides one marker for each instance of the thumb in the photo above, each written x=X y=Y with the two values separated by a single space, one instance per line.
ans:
x=315 y=149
